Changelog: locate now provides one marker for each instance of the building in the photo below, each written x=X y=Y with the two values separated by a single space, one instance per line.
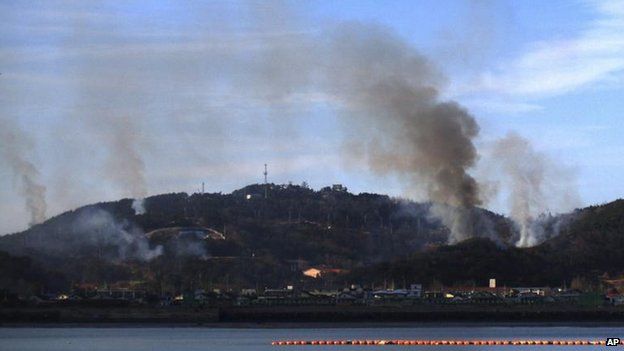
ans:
x=312 y=272
x=321 y=271
x=415 y=291
x=339 y=188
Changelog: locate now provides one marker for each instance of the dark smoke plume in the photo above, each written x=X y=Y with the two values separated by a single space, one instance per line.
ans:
x=14 y=148
x=391 y=96
x=206 y=80
x=384 y=88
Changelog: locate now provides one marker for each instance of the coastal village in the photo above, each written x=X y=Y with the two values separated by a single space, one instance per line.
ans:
x=136 y=293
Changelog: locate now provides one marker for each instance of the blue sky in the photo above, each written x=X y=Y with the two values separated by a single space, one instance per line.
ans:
x=550 y=70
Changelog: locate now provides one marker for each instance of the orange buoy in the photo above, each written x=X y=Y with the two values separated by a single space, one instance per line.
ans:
x=438 y=342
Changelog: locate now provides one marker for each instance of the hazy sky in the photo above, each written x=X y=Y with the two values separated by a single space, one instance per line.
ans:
x=177 y=81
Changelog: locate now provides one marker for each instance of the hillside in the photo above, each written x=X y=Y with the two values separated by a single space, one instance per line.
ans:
x=219 y=236
x=243 y=239
x=589 y=247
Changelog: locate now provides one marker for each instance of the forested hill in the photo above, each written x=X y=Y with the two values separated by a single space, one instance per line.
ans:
x=588 y=246
x=329 y=226
x=263 y=236
x=267 y=226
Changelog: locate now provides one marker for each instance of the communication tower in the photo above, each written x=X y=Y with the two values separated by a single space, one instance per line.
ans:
x=266 y=185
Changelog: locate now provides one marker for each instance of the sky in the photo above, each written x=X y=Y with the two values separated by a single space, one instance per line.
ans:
x=107 y=92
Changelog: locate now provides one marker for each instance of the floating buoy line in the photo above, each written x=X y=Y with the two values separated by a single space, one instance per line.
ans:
x=439 y=342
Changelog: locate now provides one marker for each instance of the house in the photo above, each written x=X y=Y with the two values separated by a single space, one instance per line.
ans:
x=85 y=289
x=467 y=291
x=248 y=292
x=272 y=294
x=339 y=188
x=483 y=297
x=528 y=297
x=568 y=296
x=540 y=291
x=125 y=290
x=614 y=297
x=320 y=271
x=312 y=272
x=415 y=291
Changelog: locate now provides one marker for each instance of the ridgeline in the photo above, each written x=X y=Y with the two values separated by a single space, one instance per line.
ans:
x=246 y=240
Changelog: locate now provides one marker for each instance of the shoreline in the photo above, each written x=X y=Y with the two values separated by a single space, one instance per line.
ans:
x=310 y=317
x=313 y=325
x=316 y=325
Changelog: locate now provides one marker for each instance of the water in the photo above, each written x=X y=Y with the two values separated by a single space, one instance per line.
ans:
x=224 y=339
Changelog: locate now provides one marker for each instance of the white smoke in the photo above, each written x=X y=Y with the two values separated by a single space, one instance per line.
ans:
x=132 y=87
x=15 y=148
x=191 y=248
x=138 y=205
x=537 y=185
x=100 y=228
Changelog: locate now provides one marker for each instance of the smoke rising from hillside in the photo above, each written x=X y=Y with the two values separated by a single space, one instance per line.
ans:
x=537 y=185
x=125 y=164
x=177 y=92
x=111 y=106
x=14 y=149
x=391 y=94
x=100 y=228
x=382 y=87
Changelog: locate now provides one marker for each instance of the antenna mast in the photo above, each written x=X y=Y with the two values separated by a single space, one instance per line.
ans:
x=265 y=181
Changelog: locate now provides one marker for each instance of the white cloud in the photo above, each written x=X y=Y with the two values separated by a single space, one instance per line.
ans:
x=500 y=106
x=558 y=66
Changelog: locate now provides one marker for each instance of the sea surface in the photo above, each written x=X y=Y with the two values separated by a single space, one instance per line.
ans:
x=224 y=339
